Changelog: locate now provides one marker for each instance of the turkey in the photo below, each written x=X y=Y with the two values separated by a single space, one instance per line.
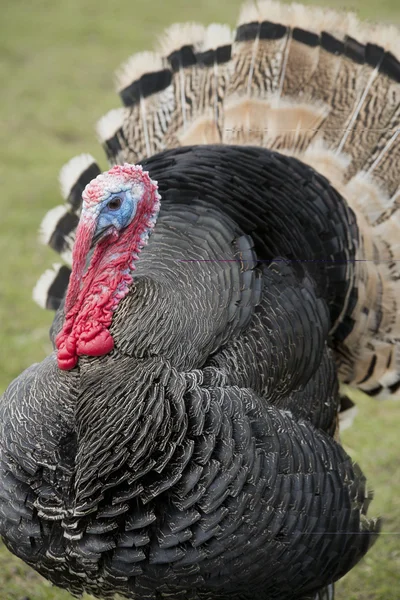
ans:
x=236 y=262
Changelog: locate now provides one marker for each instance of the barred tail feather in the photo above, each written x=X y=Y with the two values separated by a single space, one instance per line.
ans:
x=50 y=288
x=58 y=226
x=74 y=176
x=57 y=230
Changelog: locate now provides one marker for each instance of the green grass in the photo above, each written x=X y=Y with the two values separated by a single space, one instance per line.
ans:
x=56 y=64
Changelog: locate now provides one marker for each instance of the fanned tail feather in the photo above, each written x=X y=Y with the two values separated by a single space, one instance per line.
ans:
x=50 y=288
x=308 y=82
x=57 y=229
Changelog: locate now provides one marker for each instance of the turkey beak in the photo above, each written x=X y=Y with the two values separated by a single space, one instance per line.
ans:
x=100 y=235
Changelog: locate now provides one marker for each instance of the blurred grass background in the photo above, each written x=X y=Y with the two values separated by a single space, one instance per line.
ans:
x=56 y=65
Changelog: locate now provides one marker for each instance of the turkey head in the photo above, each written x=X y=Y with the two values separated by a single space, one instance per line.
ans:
x=119 y=211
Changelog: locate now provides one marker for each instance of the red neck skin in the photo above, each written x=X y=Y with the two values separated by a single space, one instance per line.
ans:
x=93 y=297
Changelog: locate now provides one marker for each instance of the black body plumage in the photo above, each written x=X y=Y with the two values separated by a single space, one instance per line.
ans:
x=197 y=460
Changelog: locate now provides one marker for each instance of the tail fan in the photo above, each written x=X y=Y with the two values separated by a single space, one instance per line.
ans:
x=327 y=93
x=50 y=289
x=57 y=229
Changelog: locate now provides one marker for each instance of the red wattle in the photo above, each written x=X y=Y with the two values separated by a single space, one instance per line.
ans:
x=97 y=345
x=67 y=364
x=65 y=359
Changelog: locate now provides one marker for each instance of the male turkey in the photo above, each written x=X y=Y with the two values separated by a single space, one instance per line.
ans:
x=180 y=441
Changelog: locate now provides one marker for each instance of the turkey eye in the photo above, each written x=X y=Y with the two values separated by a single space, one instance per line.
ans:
x=114 y=204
